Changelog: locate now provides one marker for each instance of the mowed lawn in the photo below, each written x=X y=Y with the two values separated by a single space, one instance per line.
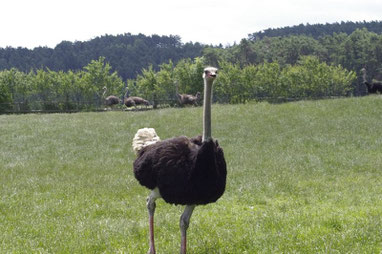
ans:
x=303 y=177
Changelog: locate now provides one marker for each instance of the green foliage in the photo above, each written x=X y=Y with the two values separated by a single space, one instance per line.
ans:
x=147 y=84
x=50 y=90
x=160 y=86
x=188 y=74
x=231 y=86
x=353 y=45
x=5 y=94
x=9 y=84
x=127 y=53
x=165 y=79
x=319 y=30
x=213 y=55
x=96 y=75
x=358 y=49
x=310 y=78
x=269 y=64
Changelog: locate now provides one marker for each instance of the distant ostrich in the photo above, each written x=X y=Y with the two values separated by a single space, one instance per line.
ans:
x=111 y=100
x=181 y=170
x=374 y=87
x=133 y=101
x=185 y=99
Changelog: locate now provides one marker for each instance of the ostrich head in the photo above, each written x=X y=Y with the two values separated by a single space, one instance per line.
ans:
x=363 y=70
x=210 y=73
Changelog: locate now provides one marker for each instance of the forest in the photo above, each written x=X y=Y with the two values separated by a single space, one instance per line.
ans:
x=304 y=61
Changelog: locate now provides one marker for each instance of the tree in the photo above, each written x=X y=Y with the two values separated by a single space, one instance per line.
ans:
x=188 y=75
x=96 y=75
x=148 y=85
x=6 y=80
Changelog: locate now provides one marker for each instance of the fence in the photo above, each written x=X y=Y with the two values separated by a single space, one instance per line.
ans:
x=73 y=107
x=91 y=106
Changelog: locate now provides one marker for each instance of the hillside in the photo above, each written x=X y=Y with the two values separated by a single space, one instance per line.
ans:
x=317 y=30
x=303 y=177
x=128 y=54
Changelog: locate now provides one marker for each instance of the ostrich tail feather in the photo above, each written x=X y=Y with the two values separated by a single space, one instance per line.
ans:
x=143 y=138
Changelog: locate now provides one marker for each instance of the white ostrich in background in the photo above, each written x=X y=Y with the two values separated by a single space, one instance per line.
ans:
x=111 y=100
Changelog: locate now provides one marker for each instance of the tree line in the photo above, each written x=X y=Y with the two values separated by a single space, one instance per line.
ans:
x=127 y=53
x=72 y=75
x=47 y=90
x=307 y=79
x=318 y=30
x=360 y=49
x=83 y=90
x=352 y=45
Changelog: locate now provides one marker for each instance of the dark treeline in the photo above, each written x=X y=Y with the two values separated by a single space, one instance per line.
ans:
x=360 y=49
x=317 y=30
x=127 y=53
x=353 y=45
x=72 y=75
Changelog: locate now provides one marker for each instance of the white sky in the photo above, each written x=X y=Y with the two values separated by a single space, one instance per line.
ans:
x=32 y=23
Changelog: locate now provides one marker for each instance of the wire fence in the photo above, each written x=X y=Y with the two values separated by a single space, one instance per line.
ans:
x=39 y=106
x=91 y=106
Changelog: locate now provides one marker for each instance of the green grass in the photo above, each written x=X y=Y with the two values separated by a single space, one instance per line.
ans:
x=303 y=177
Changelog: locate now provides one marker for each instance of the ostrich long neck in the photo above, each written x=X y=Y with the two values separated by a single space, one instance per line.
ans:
x=207 y=110
x=364 y=76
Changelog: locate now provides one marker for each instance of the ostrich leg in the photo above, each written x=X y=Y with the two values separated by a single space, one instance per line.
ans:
x=151 y=209
x=184 y=223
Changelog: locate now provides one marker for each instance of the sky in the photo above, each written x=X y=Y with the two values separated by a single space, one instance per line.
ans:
x=33 y=23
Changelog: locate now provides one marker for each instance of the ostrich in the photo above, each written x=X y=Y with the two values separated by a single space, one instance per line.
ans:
x=133 y=101
x=374 y=87
x=111 y=100
x=185 y=99
x=181 y=170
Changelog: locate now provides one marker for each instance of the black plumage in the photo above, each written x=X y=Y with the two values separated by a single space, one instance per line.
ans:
x=180 y=170
x=374 y=87
x=186 y=171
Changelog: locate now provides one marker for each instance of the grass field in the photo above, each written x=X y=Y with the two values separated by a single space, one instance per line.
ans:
x=303 y=177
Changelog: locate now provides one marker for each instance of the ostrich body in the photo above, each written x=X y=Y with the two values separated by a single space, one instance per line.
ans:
x=183 y=171
x=187 y=99
x=111 y=100
x=374 y=87
x=133 y=101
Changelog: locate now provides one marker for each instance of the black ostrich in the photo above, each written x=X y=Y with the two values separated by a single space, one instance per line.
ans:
x=374 y=87
x=133 y=101
x=181 y=170
x=187 y=99
x=111 y=100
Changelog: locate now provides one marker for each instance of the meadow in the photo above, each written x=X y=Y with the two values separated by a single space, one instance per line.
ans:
x=303 y=177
